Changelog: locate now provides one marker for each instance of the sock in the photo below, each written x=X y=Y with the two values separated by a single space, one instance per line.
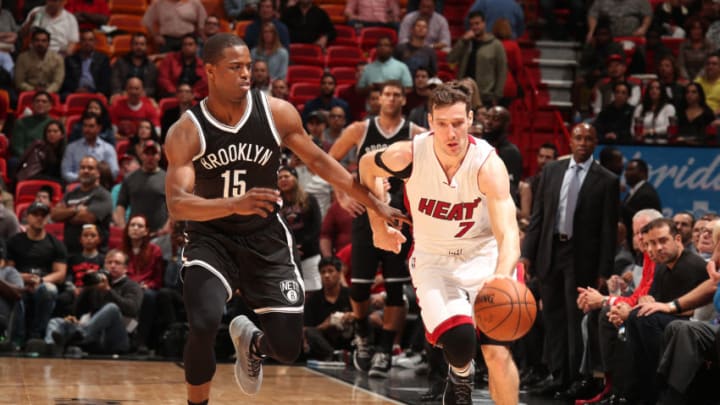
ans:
x=387 y=338
x=464 y=372
x=205 y=402
x=361 y=327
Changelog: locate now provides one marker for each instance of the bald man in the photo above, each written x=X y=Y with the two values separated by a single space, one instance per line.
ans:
x=495 y=132
x=570 y=243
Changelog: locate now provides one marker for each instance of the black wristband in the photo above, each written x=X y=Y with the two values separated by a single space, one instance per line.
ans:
x=677 y=306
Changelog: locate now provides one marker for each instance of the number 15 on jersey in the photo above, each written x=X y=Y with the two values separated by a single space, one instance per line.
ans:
x=234 y=183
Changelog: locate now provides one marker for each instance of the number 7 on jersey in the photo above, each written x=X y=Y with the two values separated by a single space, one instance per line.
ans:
x=234 y=184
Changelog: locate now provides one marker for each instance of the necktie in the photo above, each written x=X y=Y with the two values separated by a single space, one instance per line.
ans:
x=571 y=202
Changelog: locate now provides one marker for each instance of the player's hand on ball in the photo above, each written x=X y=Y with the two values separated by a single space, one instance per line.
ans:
x=389 y=239
x=257 y=201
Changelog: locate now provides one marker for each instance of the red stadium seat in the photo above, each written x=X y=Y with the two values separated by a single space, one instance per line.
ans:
x=304 y=74
x=306 y=54
x=300 y=93
x=56 y=229
x=369 y=36
x=25 y=100
x=121 y=146
x=26 y=190
x=75 y=103
x=344 y=75
x=347 y=56
x=70 y=123
x=166 y=104
x=116 y=237
x=345 y=35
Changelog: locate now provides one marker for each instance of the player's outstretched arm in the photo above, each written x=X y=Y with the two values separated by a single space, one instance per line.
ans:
x=494 y=182
x=396 y=158
x=183 y=143
x=287 y=120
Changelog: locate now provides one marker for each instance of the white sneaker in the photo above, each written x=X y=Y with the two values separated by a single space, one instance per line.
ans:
x=248 y=366
x=409 y=361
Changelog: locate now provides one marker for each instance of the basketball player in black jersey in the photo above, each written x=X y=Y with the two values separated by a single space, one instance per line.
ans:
x=376 y=133
x=223 y=157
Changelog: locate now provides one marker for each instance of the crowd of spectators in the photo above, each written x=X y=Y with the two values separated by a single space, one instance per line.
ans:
x=90 y=262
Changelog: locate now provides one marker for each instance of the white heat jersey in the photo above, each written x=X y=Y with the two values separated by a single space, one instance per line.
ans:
x=450 y=216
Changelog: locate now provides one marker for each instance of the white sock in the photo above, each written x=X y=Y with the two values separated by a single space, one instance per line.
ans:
x=462 y=372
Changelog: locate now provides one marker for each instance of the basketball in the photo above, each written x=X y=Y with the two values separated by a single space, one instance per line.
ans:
x=504 y=309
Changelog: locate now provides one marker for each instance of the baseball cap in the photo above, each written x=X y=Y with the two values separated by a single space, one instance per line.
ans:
x=37 y=206
x=616 y=57
x=317 y=115
x=434 y=81
x=150 y=144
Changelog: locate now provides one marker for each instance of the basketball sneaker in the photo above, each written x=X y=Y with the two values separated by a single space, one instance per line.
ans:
x=458 y=389
x=361 y=354
x=248 y=366
x=380 y=365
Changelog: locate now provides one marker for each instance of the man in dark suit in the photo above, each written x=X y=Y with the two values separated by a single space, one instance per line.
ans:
x=86 y=71
x=570 y=243
x=641 y=194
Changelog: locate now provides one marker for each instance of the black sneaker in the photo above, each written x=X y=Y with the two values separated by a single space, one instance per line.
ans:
x=361 y=354
x=458 y=390
x=380 y=365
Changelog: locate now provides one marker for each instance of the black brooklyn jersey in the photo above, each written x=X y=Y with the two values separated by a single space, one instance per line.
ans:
x=232 y=160
x=376 y=139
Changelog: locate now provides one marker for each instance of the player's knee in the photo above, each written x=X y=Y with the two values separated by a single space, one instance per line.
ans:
x=496 y=355
x=360 y=292
x=204 y=326
x=459 y=344
x=394 y=297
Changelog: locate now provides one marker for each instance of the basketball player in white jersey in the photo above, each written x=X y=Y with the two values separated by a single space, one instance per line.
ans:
x=464 y=230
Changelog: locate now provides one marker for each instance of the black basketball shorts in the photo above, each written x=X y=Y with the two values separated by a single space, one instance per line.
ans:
x=366 y=257
x=263 y=265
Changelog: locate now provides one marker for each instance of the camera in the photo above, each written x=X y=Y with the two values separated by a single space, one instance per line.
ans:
x=94 y=278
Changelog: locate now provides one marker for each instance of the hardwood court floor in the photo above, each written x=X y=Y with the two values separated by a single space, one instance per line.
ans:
x=116 y=382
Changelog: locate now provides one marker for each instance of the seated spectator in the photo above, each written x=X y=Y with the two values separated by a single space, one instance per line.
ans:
x=89 y=203
x=41 y=259
x=143 y=191
x=241 y=9
x=414 y=53
x=260 y=76
x=128 y=112
x=90 y=14
x=8 y=31
x=593 y=65
x=279 y=89
x=694 y=116
x=9 y=225
x=145 y=267
x=494 y=10
x=669 y=75
x=39 y=68
x=528 y=188
x=355 y=99
x=31 y=128
x=695 y=50
x=645 y=326
x=89 y=145
x=438 y=36
x=183 y=67
x=420 y=92
x=326 y=100
x=419 y=114
x=647 y=56
x=617 y=72
x=614 y=122
x=107 y=132
x=374 y=13
x=631 y=18
x=61 y=25
x=108 y=308
x=653 y=114
x=169 y=21
x=128 y=164
x=316 y=124
x=309 y=24
x=669 y=18
x=145 y=132
x=270 y=50
x=710 y=82
x=11 y=291
x=512 y=89
x=90 y=260
x=336 y=230
x=303 y=216
x=86 y=71
x=266 y=13
x=337 y=120
x=43 y=157
x=185 y=98
x=135 y=64
x=328 y=314
x=383 y=69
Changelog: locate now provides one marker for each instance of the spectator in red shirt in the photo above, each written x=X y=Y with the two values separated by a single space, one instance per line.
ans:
x=335 y=230
x=183 y=66
x=90 y=14
x=126 y=113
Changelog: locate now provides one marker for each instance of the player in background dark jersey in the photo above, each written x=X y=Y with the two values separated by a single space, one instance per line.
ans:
x=376 y=133
x=262 y=253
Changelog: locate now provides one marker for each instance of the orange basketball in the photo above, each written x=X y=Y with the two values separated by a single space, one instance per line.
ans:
x=504 y=309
